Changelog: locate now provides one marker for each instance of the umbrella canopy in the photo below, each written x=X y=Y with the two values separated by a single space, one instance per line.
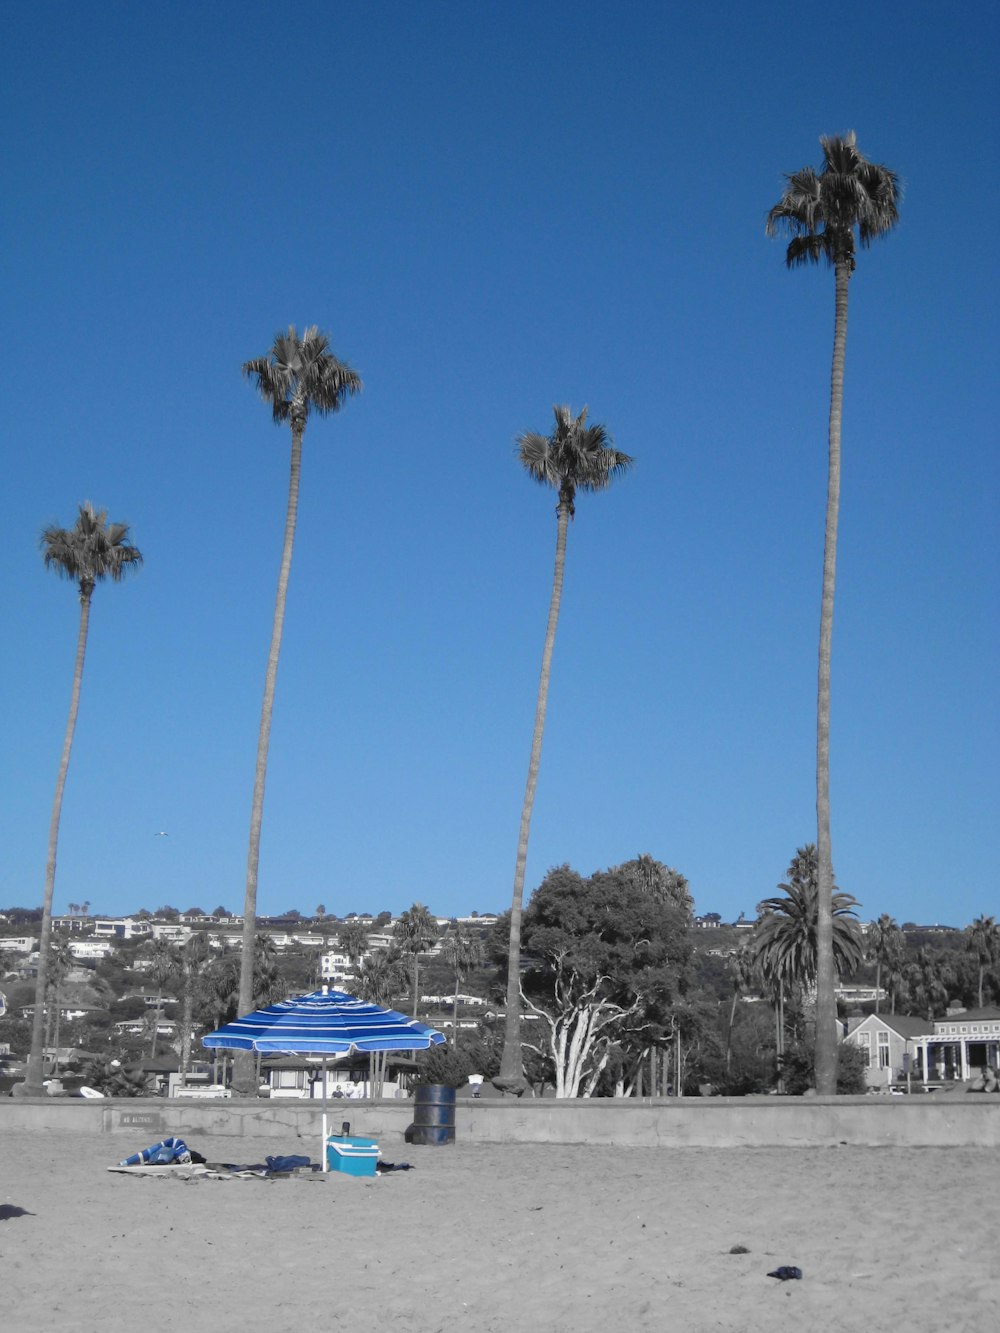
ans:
x=326 y=1022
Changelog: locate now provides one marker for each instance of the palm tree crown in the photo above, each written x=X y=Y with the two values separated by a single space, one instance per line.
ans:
x=91 y=551
x=823 y=210
x=301 y=374
x=784 y=939
x=574 y=457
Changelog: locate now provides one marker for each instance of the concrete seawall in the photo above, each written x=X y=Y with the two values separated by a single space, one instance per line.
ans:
x=945 y=1120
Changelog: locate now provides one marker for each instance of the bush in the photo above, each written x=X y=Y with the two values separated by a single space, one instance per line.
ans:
x=799 y=1074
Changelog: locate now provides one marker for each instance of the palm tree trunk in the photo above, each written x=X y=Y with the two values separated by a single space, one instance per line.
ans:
x=32 y=1086
x=729 y=1031
x=186 y=1017
x=826 y=1007
x=512 y=1061
x=878 y=981
x=416 y=983
x=243 y=1078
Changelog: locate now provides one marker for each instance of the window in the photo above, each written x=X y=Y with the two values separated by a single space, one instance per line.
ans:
x=883 y=1050
x=864 y=1040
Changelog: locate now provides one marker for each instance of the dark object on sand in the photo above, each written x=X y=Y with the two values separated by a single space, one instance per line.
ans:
x=9 y=1210
x=785 y=1272
x=740 y=1249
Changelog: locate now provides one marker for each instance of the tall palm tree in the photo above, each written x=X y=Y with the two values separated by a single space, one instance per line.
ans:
x=89 y=552
x=415 y=932
x=575 y=457
x=296 y=377
x=884 y=947
x=984 y=941
x=822 y=212
x=463 y=951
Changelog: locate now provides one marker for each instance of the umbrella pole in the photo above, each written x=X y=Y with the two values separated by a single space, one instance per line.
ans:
x=324 y=1114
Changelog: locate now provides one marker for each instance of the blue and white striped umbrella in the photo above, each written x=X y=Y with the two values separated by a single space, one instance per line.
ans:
x=326 y=1022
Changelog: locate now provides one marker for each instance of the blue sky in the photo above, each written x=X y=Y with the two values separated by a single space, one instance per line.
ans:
x=492 y=209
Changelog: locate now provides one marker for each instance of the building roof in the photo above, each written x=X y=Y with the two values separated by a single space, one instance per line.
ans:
x=904 y=1025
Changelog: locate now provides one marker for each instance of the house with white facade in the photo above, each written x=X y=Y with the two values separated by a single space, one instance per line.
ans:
x=121 y=928
x=91 y=948
x=887 y=1041
x=932 y=1051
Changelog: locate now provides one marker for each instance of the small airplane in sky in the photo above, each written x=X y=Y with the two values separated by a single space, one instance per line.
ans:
x=161 y=834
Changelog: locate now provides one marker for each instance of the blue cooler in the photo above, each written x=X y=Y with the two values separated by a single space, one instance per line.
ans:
x=351 y=1155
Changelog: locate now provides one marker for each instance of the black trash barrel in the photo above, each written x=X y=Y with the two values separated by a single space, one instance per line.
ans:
x=433 y=1115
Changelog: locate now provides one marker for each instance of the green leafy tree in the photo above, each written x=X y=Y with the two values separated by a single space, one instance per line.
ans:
x=296 y=377
x=575 y=457
x=415 y=932
x=826 y=214
x=983 y=942
x=88 y=553
x=607 y=964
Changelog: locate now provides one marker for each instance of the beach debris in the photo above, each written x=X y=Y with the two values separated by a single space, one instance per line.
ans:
x=786 y=1272
x=740 y=1249
x=9 y=1210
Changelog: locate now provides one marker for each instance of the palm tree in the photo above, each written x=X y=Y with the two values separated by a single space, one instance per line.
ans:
x=463 y=951
x=884 y=947
x=785 y=942
x=194 y=955
x=742 y=969
x=164 y=962
x=415 y=932
x=380 y=977
x=928 y=978
x=575 y=457
x=353 y=940
x=296 y=377
x=984 y=941
x=89 y=552
x=821 y=212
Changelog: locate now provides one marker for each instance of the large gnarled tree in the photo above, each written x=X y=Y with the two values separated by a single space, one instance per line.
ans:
x=89 y=552
x=575 y=457
x=826 y=213
x=297 y=376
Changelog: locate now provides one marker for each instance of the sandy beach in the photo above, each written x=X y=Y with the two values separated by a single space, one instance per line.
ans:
x=500 y=1237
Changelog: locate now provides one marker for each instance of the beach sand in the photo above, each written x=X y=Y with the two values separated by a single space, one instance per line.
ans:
x=483 y=1239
